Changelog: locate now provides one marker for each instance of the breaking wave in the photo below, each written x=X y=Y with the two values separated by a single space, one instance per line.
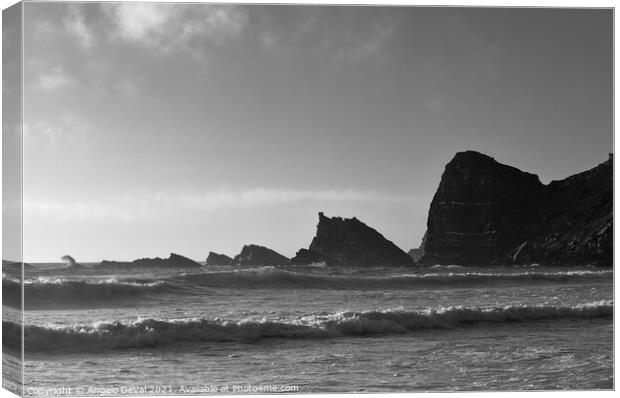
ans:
x=269 y=278
x=49 y=292
x=146 y=333
x=44 y=292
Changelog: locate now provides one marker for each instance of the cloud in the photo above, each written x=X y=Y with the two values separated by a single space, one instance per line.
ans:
x=68 y=129
x=43 y=28
x=174 y=27
x=343 y=38
x=55 y=79
x=130 y=207
x=77 y=27
x=70 y=211
x=368 y=44
x=140 y=22
x=297 y=26
x=267 y=197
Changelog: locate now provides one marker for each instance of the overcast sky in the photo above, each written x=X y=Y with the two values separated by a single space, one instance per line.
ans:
x=152 y=128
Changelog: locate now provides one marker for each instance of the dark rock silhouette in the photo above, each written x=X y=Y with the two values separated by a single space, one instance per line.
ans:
x=218 y=259
x=259 y=255
x=575 y=221
x=175 y=260
x=307 y=256
x=71 y=263
x=350 y=242
x=416 y=254
x=486 y=213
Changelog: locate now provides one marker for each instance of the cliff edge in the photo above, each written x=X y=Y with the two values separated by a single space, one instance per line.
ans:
x=487 y=213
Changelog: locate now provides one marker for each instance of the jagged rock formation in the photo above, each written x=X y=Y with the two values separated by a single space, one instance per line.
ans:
x=307 y=256
x=350 y=242
x=174 y=261
x=218 y=259
x=575 y=221
x=416 y=254
x=259 y=255
x=486 y=213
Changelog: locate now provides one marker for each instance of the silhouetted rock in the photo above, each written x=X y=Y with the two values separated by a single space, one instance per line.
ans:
x=259 y=255
x=350 y=242
x=218 y=259
x=575 y=224
x=72 y=265
x=418 y=253
x=415 y=254
x=174 y=261
x=306 y=256
x=487 y=213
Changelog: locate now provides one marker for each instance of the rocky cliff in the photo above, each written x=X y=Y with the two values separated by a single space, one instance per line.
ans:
x=575 y=221
x=259 y=255
x=486 y=213
x=218 y=259
x=350 y=242
x=174 y=260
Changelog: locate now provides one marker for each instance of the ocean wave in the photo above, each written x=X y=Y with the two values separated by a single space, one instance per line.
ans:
x=270 y=278
x=48 y=292
x=53 y=291
x=145 y=333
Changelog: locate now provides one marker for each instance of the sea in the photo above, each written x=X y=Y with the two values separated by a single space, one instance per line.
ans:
x=305 y=329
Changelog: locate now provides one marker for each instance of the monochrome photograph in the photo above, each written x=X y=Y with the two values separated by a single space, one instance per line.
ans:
x=225 y=198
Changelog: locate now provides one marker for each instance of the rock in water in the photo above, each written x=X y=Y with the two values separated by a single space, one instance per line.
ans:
x=175 y=260
x=259 y=255
x=486 y=213
x=350 y=242
x=72 y=265
x=306 y=257
x=218 y=259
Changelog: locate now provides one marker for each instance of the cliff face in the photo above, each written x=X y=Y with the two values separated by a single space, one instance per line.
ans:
x=174 y=260
x=575 y=221
x=259 y=255
x=350 y=242
x=485 y=213
x=218 y=259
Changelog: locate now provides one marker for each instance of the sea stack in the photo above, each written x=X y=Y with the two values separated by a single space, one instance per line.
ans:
x=72 y=265
x=218 y=259
x=350 y=242
x=174 y=261
x=259 y=255
x=487 y=213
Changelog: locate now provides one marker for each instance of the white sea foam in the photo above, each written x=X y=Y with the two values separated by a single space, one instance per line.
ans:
x=155 y=332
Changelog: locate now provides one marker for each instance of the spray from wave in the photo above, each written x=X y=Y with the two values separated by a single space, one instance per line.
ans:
x=275 y=278
x=43 y=293
x=70 y=261
x=145 y=333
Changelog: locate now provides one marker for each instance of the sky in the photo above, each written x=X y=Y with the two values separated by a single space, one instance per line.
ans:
x=188 y=128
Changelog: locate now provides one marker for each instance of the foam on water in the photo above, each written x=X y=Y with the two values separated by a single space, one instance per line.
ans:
x=155 y=332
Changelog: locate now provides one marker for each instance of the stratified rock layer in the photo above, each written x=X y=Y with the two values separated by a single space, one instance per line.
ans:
x=259 y=255
x=486 y=213
x=174 y=260
x=218 y=259
x=350 y=242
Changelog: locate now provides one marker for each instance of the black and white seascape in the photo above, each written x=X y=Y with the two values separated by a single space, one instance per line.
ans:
x=225 y=198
